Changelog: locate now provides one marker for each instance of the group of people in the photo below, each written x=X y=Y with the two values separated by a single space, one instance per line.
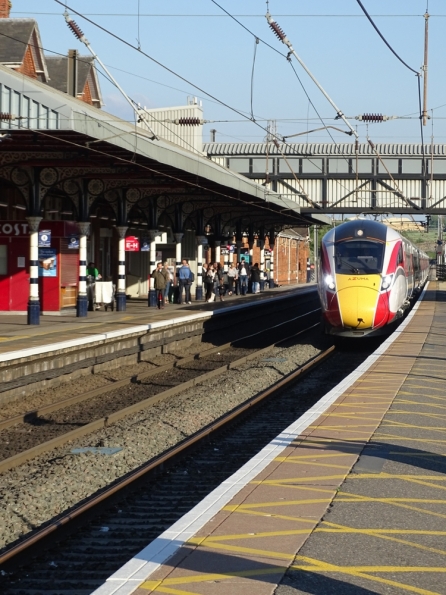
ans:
x=236 y=280
x=216 y=280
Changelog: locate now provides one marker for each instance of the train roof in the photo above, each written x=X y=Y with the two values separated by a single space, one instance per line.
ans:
x=365 y=229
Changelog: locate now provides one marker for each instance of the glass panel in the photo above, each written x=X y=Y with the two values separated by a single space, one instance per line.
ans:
x=312 y=167
x=294 y=163
x=259 y=166
x=3 y=260
x=391 y=164
x=364 y=166
x=43 y=117
x=412 y=166
x=15 y=108
x=338 y=166
x=25 y=112
x=52 y=120
x=5 y=104
x=439 y=166
x=358 y=257
x=239 y=165
x=34 y=115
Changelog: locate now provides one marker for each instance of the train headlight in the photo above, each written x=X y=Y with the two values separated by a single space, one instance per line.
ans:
x=329 y=282
x=386 y=282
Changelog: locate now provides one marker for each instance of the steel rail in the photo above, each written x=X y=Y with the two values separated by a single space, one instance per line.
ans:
x=33 y=414
x=103 y=422
x=163 y=458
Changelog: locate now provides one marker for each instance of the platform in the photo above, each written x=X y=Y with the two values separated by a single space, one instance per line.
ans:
x=16 y=335
x=349 y=500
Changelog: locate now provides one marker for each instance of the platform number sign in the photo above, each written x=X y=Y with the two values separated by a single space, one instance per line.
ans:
x=132 y=244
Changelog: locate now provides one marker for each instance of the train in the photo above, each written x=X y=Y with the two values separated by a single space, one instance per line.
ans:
x=368 y=276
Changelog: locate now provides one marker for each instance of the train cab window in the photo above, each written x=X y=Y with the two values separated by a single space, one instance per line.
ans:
x=359 y=257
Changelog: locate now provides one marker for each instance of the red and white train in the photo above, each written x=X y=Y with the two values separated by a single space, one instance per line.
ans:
x=368 y=274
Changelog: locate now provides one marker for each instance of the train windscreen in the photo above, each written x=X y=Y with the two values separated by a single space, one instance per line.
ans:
x=359 y=257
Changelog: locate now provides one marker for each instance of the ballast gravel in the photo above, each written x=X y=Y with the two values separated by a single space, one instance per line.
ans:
x=35 y=493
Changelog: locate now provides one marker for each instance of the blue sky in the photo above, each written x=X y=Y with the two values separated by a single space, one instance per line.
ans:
x=198 y=41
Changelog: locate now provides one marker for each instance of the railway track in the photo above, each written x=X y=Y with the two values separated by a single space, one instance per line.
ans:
x=156 y=495
x=42 y=430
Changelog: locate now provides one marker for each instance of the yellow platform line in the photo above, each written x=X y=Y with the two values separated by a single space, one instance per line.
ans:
x=361 y=572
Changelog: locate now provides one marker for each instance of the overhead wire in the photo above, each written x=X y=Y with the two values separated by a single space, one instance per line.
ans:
x=114 y=35
x=110 y=80
x=417 y=73
x=155 y=61
x=303 y=88
x=165 y=67
x=256 y=43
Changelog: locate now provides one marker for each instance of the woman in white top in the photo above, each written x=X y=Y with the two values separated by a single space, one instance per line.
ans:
x=232 y=278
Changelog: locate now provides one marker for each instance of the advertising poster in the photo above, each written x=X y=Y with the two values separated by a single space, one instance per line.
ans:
x=145 y=245
x=47 y=262
x=44 y=238
x=73 y=242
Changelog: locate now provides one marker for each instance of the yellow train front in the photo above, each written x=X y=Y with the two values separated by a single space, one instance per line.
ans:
x=368 y=275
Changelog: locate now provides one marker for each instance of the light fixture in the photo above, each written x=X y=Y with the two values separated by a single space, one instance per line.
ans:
x=329 y=281
x=3 y=204
x=19 y=207
x=66 y=212
x=386 y=282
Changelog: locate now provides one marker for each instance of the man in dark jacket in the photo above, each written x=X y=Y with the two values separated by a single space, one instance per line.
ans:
x=255 y=278
x=160 y=277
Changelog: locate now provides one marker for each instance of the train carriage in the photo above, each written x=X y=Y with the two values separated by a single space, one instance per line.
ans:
x=368 y=275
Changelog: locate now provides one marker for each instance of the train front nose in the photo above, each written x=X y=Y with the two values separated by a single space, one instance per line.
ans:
x=357 y=301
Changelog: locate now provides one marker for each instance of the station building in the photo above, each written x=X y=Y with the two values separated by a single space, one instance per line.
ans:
x=78 y=184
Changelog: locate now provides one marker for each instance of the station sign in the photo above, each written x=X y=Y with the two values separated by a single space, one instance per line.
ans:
x=131 y=244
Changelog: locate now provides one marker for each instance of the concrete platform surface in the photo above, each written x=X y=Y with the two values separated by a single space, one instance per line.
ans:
x=349 y=500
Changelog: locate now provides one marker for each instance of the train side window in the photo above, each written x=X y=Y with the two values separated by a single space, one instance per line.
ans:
x=400 y=257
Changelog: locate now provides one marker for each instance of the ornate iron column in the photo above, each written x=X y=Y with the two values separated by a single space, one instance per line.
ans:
x=82 y=299
x=120 y=293
x=152 y=293
x=199 y=287
x=33 y=302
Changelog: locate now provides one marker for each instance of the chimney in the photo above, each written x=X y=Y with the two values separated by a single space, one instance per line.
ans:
x=73 y=57
x=5 y=8
x=213 y=134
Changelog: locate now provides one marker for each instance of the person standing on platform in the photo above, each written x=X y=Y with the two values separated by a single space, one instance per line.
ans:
x=243 y=274
x=168 y=283
x=209 y=283
x=255 y=278
x=232 y=278
x=160 y=277
x=94 y=275
x=185 y=281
